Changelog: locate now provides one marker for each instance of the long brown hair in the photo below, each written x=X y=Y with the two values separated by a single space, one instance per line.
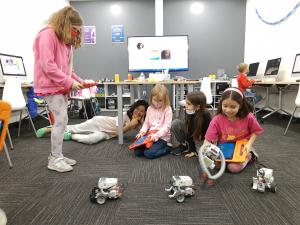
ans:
x=197 y=98
x=62 y=21
x=236 y=95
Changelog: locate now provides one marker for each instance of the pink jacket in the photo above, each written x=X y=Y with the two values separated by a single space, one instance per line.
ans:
x=157 y=119
x=51 y=67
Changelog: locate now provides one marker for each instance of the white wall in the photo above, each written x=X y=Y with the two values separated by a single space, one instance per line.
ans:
x=264 y=42
x=19 y=23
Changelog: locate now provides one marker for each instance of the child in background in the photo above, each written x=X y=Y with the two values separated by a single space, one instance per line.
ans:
x=187 y=136
x=53 y=74
x=101 y=128
x=244 y=82
x=159 y=117
x=234 y=121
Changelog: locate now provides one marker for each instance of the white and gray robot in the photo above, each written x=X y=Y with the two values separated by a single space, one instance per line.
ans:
x=181 y=187
x=108 y=188
x=209 y=154
x=264 y=180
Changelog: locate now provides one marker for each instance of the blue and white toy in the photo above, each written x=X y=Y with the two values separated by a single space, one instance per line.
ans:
x=209 y=154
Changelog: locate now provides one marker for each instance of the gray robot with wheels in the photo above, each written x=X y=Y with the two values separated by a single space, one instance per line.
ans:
x=264 y=180
x=181 y=187
x=108 y=188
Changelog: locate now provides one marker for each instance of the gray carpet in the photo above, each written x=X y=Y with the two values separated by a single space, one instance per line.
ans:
x=30 y=194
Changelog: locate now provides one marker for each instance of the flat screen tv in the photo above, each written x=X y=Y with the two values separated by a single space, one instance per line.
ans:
x=272 y=67
x=253 y=69
x=12 y=65
x=158 y=53
x=296 y=67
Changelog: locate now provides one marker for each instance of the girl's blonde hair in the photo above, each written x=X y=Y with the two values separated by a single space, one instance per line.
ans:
x=162 y=93
x=243 y=68
x=62 y=21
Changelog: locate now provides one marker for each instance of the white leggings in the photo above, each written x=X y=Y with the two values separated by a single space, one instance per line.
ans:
x=58 y=106
x=87 y=132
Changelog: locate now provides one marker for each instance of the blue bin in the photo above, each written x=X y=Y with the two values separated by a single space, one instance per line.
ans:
x=227 y=149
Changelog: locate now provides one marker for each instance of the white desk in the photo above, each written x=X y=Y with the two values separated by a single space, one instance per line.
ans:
x=281 y=85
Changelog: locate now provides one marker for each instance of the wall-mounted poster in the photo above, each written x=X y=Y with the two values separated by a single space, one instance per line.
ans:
x=89 y=36
x=117 y=33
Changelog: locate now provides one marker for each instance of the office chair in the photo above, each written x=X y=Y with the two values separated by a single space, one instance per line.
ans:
x=13 y=94
x=297 y=105
x=41 y=103
x=234 y=83
x=85 y=95
x=207 y=90
x=5 y=112
x=250 y=98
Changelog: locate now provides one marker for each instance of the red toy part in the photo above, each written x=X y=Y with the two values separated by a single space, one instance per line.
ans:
x=144 y=140
x=85 y=85
x=51 y=118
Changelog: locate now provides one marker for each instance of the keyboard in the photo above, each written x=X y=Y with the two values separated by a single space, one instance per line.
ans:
x=268 y=79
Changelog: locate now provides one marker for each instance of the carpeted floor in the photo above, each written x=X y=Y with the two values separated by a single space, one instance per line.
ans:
x=30 y=194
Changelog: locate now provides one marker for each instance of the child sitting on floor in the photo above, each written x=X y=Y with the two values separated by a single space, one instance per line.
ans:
x=159 y=117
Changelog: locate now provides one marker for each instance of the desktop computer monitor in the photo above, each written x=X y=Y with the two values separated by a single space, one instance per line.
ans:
x=296 y=67
x=12 y=66
x=253 y=69
x=272 y=67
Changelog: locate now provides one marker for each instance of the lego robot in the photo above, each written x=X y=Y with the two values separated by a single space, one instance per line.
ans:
x=209 y=154
x=264 y=180
x=181 y=187
x=107 y=188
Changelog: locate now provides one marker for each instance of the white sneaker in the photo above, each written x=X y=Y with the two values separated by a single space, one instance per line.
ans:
x=71 y=162
x=59 y=165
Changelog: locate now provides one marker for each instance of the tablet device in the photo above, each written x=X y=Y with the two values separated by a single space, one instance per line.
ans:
x=142 y=141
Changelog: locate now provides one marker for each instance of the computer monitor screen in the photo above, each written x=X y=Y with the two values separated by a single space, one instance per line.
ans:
x=272 y=67
x=158 y=53
x=12 y=65
x=296 y=67
x=253 y=69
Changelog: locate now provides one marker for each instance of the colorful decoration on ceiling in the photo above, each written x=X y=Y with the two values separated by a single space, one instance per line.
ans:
x=281 y=20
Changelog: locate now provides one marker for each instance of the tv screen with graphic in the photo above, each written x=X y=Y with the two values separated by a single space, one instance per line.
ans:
x=272 y=67
x=12 y=65
x=158 y=53
x=253 y=69
x=296 y=67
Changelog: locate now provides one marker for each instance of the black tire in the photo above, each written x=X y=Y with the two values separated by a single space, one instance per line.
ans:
x=93 y=198
x=180 y=198
x=273 y=188
x=101 y=199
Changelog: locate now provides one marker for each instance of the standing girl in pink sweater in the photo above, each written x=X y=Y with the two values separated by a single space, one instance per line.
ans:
x=158 y=117
x=53 y=75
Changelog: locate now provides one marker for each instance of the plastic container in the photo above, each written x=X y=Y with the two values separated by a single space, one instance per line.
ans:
x=117 y=77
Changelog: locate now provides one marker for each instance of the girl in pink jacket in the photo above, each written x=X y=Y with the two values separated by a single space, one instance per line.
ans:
x=54 y=75
x=158 y=118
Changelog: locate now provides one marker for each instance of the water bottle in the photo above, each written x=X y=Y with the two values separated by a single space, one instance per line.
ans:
x=142 y=76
